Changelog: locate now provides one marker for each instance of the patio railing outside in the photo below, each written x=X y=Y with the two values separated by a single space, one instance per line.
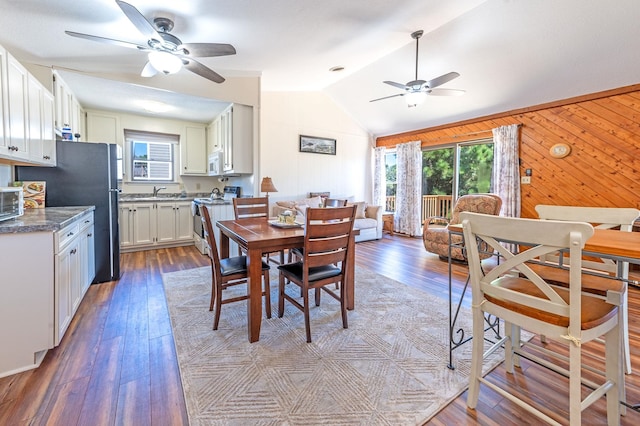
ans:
x=432 y=205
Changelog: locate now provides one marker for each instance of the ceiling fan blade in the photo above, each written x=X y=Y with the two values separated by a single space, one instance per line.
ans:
x=139 y=21
x=387 y=97
x=439 y=81
x=148 y=70
x=106 y=40
x=202 y=71
x=394 y=84
x=206 y=50
x=445 y=92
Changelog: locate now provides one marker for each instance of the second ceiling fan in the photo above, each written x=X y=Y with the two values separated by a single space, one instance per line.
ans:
x=416 y=90
x=166 y=52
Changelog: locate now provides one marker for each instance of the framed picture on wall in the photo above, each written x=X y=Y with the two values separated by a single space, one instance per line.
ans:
x=317 y=145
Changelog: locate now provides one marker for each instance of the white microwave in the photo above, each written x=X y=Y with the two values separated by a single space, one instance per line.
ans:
x=216 y=161
x=11 y=202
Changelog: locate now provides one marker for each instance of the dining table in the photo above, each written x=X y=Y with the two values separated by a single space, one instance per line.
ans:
x=257 y=236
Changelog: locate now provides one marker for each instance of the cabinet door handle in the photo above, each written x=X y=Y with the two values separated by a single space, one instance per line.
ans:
x=89 y=235
x=69 y=234
x=73 y=251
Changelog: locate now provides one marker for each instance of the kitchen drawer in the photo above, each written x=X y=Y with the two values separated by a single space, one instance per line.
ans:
x=64 y=236
x=85 y=221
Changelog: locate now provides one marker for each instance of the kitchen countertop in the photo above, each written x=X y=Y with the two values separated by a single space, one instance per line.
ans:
x=42 y=220
x=210 y=201
x=137 y=198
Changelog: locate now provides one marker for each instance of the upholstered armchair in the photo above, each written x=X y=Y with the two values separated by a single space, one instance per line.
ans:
x=435 y=234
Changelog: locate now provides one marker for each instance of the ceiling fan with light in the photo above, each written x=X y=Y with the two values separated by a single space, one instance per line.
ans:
x=417 y=90
x=166 y=53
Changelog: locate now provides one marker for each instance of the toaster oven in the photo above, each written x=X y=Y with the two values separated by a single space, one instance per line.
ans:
x=11 y=203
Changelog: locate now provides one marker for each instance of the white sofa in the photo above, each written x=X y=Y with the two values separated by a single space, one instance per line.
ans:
x=368 y=218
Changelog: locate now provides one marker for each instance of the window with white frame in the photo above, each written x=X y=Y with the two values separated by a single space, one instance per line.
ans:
x=152 y=156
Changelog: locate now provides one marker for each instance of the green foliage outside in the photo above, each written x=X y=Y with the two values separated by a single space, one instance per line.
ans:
x=476 y=165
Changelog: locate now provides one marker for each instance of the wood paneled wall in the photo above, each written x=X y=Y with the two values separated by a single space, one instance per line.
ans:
x=603 y=131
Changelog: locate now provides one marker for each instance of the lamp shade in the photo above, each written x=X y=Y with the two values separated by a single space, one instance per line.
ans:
x=267 y=185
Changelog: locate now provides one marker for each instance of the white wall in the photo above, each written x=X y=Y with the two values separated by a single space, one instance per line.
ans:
x=287 y=115
x=5 y=174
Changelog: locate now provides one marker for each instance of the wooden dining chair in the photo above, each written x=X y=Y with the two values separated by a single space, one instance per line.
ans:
x=252 y=207
x=297 y=253
x=333 y=202
x=607 y=269
x=512 y=291
x=229 y=272
x=326 y=244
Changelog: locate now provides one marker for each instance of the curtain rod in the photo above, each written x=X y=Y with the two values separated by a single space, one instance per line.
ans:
x=464 y=134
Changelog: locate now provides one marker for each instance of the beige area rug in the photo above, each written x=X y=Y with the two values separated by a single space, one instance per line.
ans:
x=388 y=368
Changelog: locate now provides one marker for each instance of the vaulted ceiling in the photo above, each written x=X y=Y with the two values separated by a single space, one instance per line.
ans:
x=510 y=54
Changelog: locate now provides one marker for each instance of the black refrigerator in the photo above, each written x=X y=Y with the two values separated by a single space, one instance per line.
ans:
x=86 y=175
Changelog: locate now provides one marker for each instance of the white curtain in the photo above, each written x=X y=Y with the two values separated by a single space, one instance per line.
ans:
x=506 y=170
x=379 y=178
x=408 y=192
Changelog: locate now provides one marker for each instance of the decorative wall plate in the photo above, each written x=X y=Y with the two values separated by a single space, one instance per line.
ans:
x=560 y=150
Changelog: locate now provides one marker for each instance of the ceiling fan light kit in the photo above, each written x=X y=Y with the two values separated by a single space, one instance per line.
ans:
x=415 y=98
x=165 y=62
x=166 y=53
x=416 y=91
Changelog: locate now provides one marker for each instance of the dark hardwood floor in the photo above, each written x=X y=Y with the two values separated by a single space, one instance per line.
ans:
x=117 y=363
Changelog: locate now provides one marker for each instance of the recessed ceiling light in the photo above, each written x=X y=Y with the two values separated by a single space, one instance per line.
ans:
x=336 y=68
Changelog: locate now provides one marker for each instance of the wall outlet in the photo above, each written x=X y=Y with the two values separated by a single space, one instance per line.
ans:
x=525 y=180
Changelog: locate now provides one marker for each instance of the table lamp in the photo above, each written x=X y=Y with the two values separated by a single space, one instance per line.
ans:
x=267 y=186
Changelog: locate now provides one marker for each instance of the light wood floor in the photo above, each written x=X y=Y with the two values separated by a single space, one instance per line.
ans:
x=117 y=363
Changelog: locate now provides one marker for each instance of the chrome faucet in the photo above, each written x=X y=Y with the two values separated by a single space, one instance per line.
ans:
x=156 y=190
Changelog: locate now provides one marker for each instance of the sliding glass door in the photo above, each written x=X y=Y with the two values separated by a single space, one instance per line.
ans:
x=447 y=173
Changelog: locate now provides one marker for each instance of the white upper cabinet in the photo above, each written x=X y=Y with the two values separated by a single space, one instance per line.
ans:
x=193 y=151
x=68 y=109
x=236 y=129
x=17 y=104
x=27 y=134
x=103 y=127
x=41 y=133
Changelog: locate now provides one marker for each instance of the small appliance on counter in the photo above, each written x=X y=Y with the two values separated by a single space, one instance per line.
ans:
x=11 y=203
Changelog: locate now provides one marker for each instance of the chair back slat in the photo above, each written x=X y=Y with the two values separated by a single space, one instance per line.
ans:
x=244 y=208
x=327 y=235
x=209 y=235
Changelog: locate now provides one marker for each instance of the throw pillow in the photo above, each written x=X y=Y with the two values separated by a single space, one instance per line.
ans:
x=361 y=206
x=301 y=209
x=286 y=204
x=310 y=202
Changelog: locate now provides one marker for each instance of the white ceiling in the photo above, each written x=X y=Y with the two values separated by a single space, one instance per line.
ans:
x=510 y=53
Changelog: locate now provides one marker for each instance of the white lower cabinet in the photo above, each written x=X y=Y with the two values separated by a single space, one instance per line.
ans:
x=74 y=263
x=26 y=300
x=44 y=277
x=158 y=224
